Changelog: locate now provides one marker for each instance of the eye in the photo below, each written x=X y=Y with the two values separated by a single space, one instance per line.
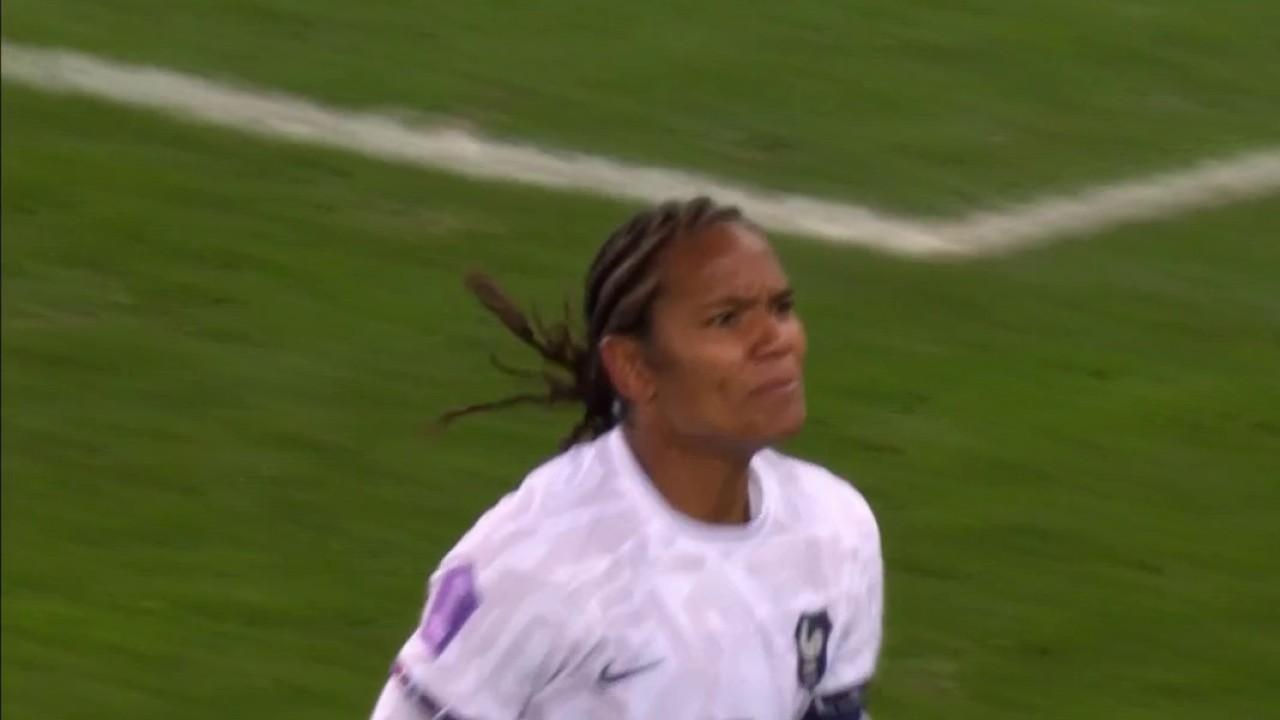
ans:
x=724 y=319
x=784 y=306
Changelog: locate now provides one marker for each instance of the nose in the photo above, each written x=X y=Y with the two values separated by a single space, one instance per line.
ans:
x=772 y=340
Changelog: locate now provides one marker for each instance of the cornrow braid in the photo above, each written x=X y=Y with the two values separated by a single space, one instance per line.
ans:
x=621 y=286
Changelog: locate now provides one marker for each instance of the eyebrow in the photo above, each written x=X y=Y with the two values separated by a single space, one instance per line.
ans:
x=741 y=300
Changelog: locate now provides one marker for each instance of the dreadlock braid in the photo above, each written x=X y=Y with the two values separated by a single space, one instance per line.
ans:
x=621 y=286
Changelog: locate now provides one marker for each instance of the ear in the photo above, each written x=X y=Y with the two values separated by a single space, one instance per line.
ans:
x=627 y=364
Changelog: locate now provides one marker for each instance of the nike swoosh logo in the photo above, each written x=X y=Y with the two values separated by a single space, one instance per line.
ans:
x=609 y=676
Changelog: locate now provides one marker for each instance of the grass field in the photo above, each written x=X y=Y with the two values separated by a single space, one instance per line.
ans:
x=219 y=355
x=928 y=105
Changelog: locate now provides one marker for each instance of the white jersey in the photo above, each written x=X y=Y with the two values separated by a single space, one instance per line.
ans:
x=584 y=595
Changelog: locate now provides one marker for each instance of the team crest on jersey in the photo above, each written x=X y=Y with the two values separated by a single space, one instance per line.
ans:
x=451 y=605
x=813 y=632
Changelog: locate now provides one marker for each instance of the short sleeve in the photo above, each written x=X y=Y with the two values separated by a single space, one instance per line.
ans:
x=859 y=613
x=489 y=640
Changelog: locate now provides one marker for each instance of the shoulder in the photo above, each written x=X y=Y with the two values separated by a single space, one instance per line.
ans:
x=813 y=494
x=506 y=586
x=535 y=535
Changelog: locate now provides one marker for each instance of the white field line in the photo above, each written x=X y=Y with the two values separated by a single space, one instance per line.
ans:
x=1206 y=184
x=278 y=116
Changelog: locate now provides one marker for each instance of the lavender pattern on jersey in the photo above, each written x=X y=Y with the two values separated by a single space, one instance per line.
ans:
x=453 y=603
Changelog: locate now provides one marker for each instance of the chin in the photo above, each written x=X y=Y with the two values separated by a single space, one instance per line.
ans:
x=781 y=426
x=789 y=429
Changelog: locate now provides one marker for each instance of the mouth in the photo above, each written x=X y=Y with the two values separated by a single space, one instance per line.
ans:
x=781 y=386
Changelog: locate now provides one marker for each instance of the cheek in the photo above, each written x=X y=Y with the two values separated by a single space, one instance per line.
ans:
x=703 y=380
x=716 y=379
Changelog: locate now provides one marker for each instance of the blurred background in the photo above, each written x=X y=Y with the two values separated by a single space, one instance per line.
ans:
x=221 y=353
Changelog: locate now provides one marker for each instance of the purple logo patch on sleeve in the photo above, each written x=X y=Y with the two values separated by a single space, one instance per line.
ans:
x=453 y=602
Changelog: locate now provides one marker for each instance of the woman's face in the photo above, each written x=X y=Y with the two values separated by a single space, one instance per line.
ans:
x=726 y=350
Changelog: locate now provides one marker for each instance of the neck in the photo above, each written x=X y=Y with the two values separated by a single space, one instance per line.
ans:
x=705 y=482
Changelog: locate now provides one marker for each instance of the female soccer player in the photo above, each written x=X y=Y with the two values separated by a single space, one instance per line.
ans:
x=667 y=564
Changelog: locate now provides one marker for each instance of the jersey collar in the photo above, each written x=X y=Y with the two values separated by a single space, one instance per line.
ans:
x=641 y=489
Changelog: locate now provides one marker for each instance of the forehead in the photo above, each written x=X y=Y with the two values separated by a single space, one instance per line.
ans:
x=727 y=259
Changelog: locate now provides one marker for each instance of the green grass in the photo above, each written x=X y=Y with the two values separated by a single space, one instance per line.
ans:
x=929 y=105
x=219 y=356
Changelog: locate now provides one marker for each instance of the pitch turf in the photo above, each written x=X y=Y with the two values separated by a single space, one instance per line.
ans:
x=927 y=105
x=219 y=355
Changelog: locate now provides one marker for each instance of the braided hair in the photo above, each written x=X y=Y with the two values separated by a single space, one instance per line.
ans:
x=621 y=286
